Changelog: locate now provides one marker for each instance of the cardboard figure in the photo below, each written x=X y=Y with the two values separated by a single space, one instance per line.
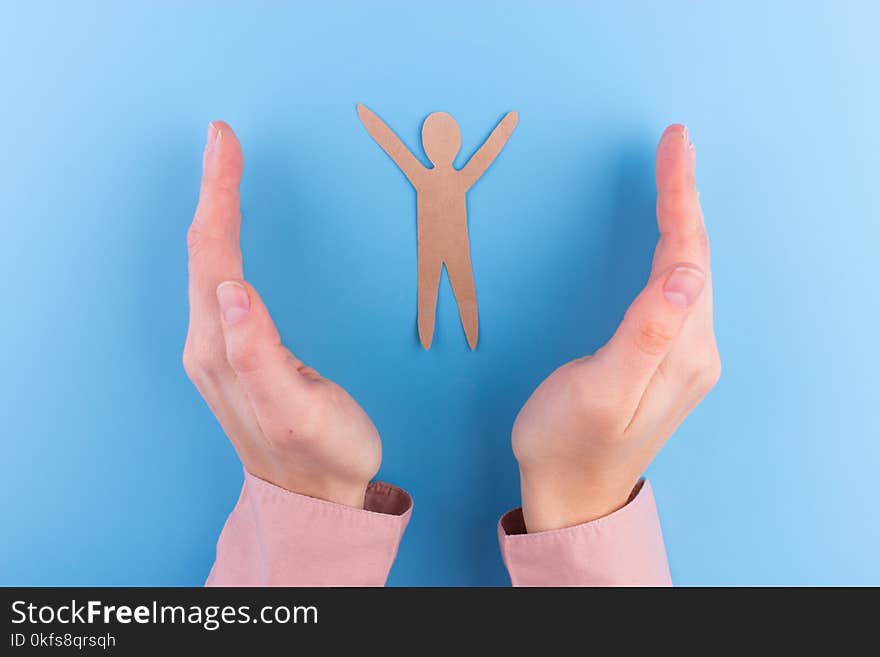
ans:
x=442 y=211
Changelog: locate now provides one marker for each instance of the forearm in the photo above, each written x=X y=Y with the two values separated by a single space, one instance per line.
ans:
x=277 y=538
x=624 y=548
x=573 y=493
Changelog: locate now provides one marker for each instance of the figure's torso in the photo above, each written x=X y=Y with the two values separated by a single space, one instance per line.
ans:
x=442 y=210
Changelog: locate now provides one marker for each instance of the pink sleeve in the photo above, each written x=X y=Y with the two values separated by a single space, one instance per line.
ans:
x=277 y=538
x=624 y=548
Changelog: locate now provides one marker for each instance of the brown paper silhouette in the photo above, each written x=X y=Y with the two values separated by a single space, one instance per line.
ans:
x=442 y=210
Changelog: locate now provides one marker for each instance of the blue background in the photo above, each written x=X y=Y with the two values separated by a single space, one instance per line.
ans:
x=115 y=472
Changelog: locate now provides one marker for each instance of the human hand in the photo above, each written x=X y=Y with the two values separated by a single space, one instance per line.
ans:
x=591 y=428
x=289 y=425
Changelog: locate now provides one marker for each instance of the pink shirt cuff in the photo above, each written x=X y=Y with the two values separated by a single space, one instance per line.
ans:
x=624 y=548
x=274 y=537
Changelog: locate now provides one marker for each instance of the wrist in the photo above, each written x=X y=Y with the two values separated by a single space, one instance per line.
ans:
x=346 y=493
x=327 y=488
x=555 y=498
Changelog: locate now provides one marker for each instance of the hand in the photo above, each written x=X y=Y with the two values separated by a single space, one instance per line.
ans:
x=288 y=425
x=591 y=428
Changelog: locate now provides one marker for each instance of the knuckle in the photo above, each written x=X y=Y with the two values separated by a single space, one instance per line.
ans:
x=653 y=337
x=712 y=372
x=189 y=365
x=704 y=372
x=205 y=232
x=194 y=239
x=199 y=361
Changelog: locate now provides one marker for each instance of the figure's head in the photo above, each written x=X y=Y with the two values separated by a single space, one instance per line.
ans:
x=441 y=138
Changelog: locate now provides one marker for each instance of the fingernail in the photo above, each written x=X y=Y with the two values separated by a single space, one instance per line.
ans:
x=215 y=134
x=687 y=140
x=685 y=136
x=683 y=286
x=682 y=136
x=234 y=302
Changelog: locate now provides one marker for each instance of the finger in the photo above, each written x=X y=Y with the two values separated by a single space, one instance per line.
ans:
x=213 y=237
x=683 y=235
x=218 y=212
x=683 y=239
x=650 y=328
x=681 y=264
x=271 y=376
x=679 y=216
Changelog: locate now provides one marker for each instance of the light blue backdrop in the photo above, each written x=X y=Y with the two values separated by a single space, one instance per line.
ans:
x=115 y=472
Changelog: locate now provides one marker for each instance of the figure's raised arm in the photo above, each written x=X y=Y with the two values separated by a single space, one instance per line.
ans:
x=391 y=144
x=490 y=149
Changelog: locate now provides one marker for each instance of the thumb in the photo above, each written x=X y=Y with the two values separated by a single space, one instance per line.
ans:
x=651 y=325
x=266 y=369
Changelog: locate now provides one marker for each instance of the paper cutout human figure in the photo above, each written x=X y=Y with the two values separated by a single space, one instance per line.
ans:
x=442 y=210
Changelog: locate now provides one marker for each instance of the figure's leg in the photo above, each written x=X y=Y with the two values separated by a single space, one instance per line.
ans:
x=430 y=266
x=461 y=275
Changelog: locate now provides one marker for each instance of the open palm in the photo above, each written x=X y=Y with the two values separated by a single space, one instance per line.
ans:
x=591 y=428
x=289 y=425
